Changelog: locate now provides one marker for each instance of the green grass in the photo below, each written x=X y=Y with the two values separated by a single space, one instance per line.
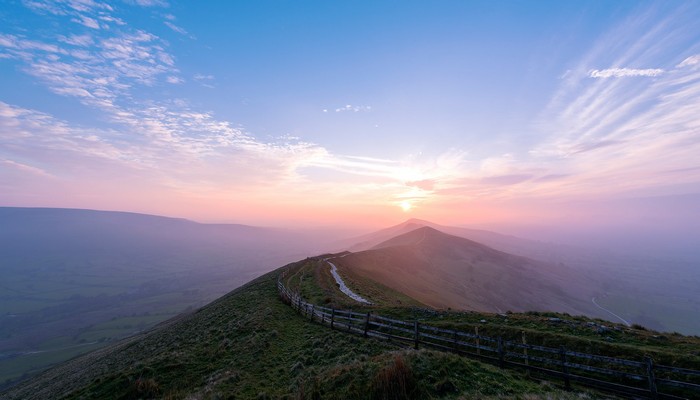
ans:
x=249 y=344
x=578 y=333
x=312 y=278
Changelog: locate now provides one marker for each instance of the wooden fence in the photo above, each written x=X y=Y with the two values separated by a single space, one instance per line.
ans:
x=643 y=379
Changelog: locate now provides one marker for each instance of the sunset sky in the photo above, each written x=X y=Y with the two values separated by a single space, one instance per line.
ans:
x=363 y=113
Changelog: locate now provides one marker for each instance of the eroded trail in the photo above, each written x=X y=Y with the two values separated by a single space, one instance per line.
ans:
x=343 y=287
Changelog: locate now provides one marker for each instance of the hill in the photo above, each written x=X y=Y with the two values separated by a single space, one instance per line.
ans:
x=507 y=243
x=446 y=271
x=657 y=292
x=249 y=344
x=74 y=280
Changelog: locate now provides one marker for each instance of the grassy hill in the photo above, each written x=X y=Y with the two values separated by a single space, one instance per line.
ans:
x=659 y=292
x=249 y=344
x=312 y=279
x=444 y=271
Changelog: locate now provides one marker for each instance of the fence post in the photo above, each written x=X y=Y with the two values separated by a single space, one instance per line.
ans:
x=565 y=368
x=299 y=303
x=332 y=317
x=455 y=339
x=501 y=361
x=651 y=377
x=527 y=357
x=311 y=314
x=366 y=324
x=478 y=347
x=415 y=332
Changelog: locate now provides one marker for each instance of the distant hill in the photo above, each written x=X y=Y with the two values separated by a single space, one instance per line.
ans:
x=507 y=243
x=75 y=280
x=444 y=271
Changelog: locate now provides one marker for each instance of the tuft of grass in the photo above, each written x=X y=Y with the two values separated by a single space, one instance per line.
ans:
x=394 y=382
x=148 y=388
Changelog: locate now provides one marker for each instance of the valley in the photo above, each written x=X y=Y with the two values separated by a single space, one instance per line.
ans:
x=76 y=280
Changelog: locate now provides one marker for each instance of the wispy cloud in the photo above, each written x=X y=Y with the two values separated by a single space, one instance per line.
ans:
x=165 y=142
x=150 y=3
x=77 y=40
x=174 y=79
x=25 y=168
x=175 y=28
x=352 y=108
x=597 y=136
x=690 y=61
x=87 y=21
x=624 y=72
x=615 y=136
x=204 y=80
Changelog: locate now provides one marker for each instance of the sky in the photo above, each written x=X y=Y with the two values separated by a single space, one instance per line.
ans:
x=362 y=113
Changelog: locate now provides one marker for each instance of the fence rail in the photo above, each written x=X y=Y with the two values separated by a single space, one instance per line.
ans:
x=626 y=377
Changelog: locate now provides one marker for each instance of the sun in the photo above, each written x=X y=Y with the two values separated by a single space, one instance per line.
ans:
x=406 y=206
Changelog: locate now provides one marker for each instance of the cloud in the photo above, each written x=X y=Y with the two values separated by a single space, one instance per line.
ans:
x=20 y=46
x=505 y=180
x=78 y=40
x=149 y=3
x=593 y=145
x=552 y=177
x=174 y=79
x=690 y=61
x=425 y=184
x=617 y=136
x=204 y=80
x=87 y=21
x=352 y=108
x=624 y=72
x=25 y=168
x=166 y=144
x=175 y=28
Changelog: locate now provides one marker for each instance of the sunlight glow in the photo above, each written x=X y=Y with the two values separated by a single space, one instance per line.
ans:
x=406 y=206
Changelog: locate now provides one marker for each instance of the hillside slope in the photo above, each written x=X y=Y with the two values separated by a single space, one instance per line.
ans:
x=658 y=292
x=510 y=244
x=444 y=271
x=249 y=344
x=74 y=280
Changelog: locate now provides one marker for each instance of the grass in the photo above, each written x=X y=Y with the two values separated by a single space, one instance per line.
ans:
x=578 y=333
x=249 y=344
x=408 y=374
x=312 y=278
